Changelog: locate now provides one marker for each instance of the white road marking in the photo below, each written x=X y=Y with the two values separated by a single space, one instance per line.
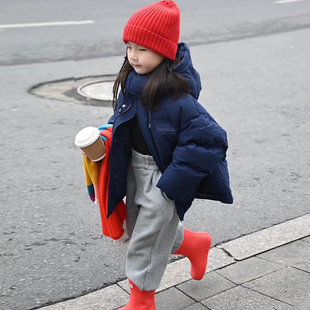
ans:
x=69 y=23
x=286 y=1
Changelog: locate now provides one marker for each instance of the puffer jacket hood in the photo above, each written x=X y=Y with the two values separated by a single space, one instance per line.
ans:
x=135 y=82
x=187 y=70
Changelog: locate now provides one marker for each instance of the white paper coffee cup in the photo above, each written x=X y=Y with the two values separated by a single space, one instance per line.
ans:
x=89 y=140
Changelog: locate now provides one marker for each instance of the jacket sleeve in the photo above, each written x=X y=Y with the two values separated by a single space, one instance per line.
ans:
x=202 y=144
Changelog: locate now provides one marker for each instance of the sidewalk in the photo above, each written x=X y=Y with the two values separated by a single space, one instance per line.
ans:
x=269 y=269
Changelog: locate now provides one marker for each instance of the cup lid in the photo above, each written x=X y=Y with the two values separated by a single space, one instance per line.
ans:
x=87 y=136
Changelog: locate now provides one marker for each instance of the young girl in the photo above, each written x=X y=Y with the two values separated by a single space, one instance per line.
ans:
x=166 y=150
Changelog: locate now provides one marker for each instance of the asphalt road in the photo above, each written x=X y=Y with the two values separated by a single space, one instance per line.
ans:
x=203 y=22
x=253 y=57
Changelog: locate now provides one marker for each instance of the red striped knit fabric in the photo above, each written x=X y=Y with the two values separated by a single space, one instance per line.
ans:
x=113 y=225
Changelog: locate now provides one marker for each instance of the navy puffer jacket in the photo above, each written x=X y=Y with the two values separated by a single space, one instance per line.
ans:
x=187 y=144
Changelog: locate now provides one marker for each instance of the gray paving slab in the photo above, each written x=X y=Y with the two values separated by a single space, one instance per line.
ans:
x=172 y=299
x=305 y=265
x=179 y=271
x=296 y=254
x=288 y=285
x=109 y=298
x=307 y=239
x=240 y=298
x=210 y=285
x=197 y=306
x=218 y=258
x=269 y=238
x=176 y=273
x=248 y=270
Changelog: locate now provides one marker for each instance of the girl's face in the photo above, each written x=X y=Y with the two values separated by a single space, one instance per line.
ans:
x=142 y=59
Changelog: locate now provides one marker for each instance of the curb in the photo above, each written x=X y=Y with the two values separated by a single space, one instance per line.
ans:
x=228 y=253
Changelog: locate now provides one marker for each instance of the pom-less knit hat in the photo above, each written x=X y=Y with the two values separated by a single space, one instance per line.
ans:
x=156 y=27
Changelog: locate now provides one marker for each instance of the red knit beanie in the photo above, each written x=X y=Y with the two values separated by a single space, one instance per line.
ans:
x=156 y=27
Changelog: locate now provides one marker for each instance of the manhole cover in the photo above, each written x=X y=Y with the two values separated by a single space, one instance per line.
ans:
x=90 y=90
x=98 y=90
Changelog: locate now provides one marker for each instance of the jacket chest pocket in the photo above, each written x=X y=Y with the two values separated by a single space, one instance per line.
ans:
x=165 y=128
x=167 y=134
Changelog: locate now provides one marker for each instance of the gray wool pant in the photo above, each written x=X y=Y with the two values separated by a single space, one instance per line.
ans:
x=152 y=222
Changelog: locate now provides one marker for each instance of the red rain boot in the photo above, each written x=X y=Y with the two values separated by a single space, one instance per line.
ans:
x=140 y=300
x=195 y=247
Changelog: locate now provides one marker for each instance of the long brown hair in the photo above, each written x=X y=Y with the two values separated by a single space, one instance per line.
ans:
x=161 y=81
